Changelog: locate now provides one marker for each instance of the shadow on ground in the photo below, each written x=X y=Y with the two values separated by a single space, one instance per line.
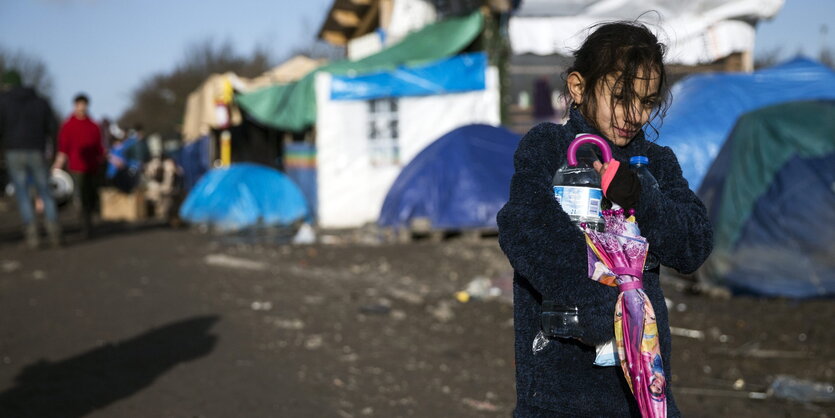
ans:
x=79 y=385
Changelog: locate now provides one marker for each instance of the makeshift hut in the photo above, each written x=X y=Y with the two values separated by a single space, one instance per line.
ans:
x=373 y=115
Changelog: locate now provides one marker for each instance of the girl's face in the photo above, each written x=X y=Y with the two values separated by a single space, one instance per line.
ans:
x=617 y=120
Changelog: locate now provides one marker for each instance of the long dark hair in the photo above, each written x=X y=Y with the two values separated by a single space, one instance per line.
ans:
x=628 y=50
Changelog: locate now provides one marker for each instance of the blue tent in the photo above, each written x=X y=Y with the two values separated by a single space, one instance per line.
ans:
x=244 y=195
x=770 y=198
x=459 y=181
x=705 y=107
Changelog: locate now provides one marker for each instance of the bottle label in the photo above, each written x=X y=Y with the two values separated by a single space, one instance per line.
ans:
x=579 y=201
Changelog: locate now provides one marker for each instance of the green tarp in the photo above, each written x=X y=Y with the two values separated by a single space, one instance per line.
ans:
x=292 y=107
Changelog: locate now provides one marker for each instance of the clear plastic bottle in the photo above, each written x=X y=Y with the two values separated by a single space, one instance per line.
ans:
x=578 y=191
x=640 y=164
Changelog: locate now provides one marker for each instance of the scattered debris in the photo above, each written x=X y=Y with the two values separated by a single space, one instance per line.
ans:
x=39 y=275
x=788 y=387
x=480 y=288
x=753 y=350
x=480 y=405
x=290 y=324
x=442 y=312
x=9 y=266
x=721 y=392
x=261 y=306
x=689 y=333
x=305 y=236
x=223 y=260
x=314 y=342
x=375 y=309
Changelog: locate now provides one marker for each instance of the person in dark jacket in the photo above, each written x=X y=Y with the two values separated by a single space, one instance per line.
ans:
x=80 y=148
x=616 y=86
x=27 y=124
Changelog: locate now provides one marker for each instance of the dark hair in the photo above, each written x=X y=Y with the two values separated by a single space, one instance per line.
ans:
x=81 y=97
x=629 y=50
x=137 y=127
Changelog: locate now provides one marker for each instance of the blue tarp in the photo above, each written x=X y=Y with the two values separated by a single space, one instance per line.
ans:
x=459 y=181
x=242 y=196
x=705 y=107
x=465 y=72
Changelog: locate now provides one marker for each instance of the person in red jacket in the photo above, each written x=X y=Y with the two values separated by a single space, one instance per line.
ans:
x=80 y=148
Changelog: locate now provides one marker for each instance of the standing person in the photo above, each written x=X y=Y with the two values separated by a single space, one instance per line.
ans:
x=80 y=147
x=617 y=87
x=26 y=124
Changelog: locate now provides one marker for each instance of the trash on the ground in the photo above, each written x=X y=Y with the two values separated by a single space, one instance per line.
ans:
x=739 y=384
x=722 y=393
x=9 y=266
x=38 y=274
x=669 y=302
x=261 y=306
x=480 y=288
x=442 y=311
x=681 y=307
x=313 y=342
x=789 y=387
x=291 y=324
x=305 y=236
x=223 y=260
x=375 y=309
x=689 y=333
x=753 y=350
x=480 y=405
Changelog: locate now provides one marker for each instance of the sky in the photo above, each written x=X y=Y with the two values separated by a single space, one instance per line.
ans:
x=106 y=48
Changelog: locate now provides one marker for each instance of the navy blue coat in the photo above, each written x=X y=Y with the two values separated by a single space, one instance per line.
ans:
x=548 y=255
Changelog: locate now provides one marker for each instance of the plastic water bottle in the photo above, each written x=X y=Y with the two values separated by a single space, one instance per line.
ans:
x=640 y=164
x=578 y=191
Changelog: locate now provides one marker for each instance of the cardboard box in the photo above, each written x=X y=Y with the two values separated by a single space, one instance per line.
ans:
x=118 y=206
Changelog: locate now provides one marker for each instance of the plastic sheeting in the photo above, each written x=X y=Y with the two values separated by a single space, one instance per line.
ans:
x=459 y=181
x=695 y=31
x=292 y=107
x=769 y=195
x=705 y=107
x=351 y=187
x=456 y=74
x=243 y=196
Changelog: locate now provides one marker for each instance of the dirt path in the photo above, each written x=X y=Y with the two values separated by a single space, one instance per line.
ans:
x=173 y=324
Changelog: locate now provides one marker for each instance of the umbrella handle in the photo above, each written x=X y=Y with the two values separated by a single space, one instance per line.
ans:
x=588 y=139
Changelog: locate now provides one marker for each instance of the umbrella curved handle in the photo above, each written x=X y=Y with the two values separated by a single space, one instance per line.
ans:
x=588 y=139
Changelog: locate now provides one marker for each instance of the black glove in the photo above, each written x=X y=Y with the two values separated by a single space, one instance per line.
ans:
x=625 y=188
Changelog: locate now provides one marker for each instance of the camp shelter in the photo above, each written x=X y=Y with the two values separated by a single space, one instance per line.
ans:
x=243 y=196
x=369 y=127
x=292 y=107
x=705 y=107
x=770 y=195
x=210 y=106
x=373 y=115
x=458 y=182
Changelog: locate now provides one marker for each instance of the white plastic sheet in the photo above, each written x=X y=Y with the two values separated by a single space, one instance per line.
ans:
x=695 y=31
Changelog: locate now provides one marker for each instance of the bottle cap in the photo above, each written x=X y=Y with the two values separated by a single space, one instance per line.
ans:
x=639 y=159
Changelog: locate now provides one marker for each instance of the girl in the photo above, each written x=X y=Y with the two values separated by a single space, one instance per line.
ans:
x=616 y=86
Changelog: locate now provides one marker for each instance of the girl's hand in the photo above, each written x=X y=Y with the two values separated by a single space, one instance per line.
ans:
x=600 y=167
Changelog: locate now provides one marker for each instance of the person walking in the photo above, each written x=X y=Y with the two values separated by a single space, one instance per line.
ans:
x=27 y=123
x=80 y=148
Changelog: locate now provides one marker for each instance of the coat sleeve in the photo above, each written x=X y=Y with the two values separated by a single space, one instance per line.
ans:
x=677 y=226
x=543 y=245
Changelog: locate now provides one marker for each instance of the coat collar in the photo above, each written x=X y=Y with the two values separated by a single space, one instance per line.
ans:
x=578 y=124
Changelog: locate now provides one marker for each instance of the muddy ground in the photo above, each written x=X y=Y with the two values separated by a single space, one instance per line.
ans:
x=154 y=322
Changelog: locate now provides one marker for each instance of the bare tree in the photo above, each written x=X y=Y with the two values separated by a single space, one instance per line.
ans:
x=160 y=100
x=32 y=69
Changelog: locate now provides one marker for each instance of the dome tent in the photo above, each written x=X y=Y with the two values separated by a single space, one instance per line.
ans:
x=705 y=107
x=242 y=196
x=459 y=181
x=769 y=194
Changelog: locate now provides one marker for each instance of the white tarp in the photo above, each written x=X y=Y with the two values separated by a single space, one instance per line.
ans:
x=695 y=31
x=351 y=189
